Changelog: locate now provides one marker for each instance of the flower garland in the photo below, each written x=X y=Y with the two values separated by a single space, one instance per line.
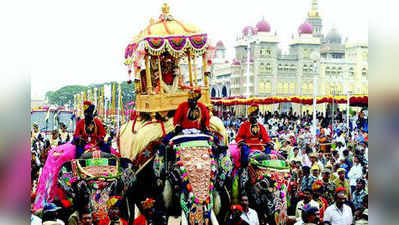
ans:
x=193 y=201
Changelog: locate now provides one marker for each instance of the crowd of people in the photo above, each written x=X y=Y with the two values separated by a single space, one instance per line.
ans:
x=328 y=179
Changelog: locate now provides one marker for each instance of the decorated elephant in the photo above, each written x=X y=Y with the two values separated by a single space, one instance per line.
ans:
x=157 y=174
x=94 y=177
x=193 y=174
x=265 y=181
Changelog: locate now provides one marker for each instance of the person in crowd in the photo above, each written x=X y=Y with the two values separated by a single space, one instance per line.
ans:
x=192 y=114
x=114 y=213
x=309 y=216
x=64 y=134
x=235 y=216
x=292 y=198
x=329 y=186
x=90 y=130
x=147 y=218
x=355 y=173
x=85 y=217
x=54 y=139
x=248 y=215
x=307 y=200
x=359 y=194
x=339 y=213
x=294 y=156
x=252 y=135
x=307 y=179
x=51 y=216
x=341 y=181
x=364 y=218
x=340 y=148
x=316 y=172
x=318 y=191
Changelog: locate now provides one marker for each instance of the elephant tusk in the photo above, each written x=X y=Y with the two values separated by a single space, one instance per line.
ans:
x=213 y=218
x=183 y=218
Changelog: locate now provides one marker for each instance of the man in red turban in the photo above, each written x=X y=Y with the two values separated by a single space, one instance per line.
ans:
x=192 y=114
x=252 y=135
x=89 y=131
x=148 y=213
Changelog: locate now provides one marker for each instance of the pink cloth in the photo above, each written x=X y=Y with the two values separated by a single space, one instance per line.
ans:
x=46 y=189
x=45 y=192
x=235 y=153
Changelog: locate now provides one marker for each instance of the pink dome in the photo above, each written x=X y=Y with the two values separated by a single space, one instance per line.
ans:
x=263 y=26
x=251 y=59
x=220 y=44
x=236 y=62
x=305 y=28
x=248 y=29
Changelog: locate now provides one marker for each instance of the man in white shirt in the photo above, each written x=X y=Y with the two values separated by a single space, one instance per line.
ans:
x=248 y=215
x=355 y=173
x=308 y=200
x=339 y=213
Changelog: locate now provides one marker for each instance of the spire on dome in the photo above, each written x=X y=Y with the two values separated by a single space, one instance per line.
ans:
x=314 y=12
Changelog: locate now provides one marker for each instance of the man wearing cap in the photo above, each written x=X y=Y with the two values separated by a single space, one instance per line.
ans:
x=50 y=215
x=192 y=114
x=315 y=172
x=318 y=190
x=114 y=213
x=341 y=181
x=148 y=213
x=329 y=186
x=88 y=131
x=339 y=213
x=252 y=135
x=309 y=216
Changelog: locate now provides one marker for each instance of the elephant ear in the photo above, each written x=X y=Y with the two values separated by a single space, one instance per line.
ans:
x=225 y=168
x=158 y=165
x=128 y=176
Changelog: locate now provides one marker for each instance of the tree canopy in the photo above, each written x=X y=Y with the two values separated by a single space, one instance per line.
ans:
x=65 y=94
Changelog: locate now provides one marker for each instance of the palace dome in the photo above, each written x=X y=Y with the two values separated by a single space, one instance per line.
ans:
x=263 y=26
x=305 y=28
x=333 y=36
x=248 y=29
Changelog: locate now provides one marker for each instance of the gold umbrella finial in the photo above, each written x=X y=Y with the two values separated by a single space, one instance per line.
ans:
x=152 y=21
x=165 y=8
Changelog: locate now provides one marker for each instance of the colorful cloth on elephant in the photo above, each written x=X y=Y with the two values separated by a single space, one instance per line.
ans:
x=253 y=134
x=191 y=118
x=48 y=179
